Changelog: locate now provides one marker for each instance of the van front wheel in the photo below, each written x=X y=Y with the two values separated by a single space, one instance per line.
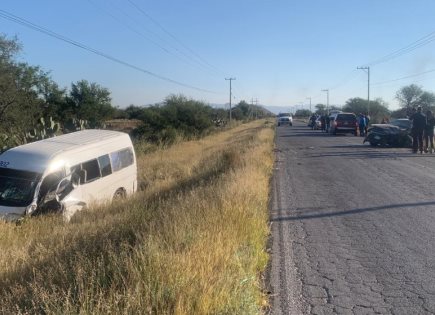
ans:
x=119 y=194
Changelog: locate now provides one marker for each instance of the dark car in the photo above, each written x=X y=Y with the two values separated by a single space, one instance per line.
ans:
x=343 y=123
x=402 y=123
x=394 y=134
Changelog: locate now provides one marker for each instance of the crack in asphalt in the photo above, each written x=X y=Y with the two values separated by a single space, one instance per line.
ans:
x=352 y=227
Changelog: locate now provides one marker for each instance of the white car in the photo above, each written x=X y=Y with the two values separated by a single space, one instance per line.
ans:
x=284 y=119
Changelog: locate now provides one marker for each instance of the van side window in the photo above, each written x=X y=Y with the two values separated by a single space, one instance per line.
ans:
x=105 y=167
x=92 y=170
x=121 y=159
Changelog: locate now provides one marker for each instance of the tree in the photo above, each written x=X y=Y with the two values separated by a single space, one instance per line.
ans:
x=427 y=100
x=244 y=108
x=89 y=101
x=133 y=111
x=378 y=108
x=302 y=113
x=54 y=100
x=22 y=87
x=412 y=96
x=320 y=109
x=334 y=107
x=191 y=117
x=8 y=73
x=409 y=96
x=245 y=111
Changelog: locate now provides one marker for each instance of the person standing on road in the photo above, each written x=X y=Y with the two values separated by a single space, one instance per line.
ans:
x=367 y=120
x=312 y=123
x=418 y=127
x=323 y=122
x=428 y=132
x=361 y=124
x=328 y=122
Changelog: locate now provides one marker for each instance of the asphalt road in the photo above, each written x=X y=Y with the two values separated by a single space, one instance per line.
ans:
x=353 y=227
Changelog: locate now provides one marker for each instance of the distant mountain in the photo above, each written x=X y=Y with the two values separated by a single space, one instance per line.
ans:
x=278 y=109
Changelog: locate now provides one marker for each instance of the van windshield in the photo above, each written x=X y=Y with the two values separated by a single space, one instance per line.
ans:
x=17 y=188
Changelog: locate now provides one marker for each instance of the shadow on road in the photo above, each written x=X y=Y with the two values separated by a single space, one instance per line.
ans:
x=369 y=154
x=306 y=134
x=299 y=216
x=298 y=131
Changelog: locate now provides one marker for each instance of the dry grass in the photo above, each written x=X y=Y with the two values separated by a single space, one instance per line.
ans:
x=193 y=242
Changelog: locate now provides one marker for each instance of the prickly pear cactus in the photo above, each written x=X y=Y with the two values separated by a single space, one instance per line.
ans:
x=43 y=130
x=75 y=124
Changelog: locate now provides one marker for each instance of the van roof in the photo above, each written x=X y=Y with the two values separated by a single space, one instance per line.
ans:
x=36 y=155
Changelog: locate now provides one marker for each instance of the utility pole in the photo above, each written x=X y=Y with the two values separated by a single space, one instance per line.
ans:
x=252 y=111
x=368 y=87
x=309 y=98
x=327 y=100
x=230 y=79
x=256 y=108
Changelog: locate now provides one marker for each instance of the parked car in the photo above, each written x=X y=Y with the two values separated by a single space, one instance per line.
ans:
x=343 y=123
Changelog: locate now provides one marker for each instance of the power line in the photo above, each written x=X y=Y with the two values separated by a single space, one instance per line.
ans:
x=173 y=36
x=181 y=55
x=23 y=22
x=405 y=77
x=406 y=49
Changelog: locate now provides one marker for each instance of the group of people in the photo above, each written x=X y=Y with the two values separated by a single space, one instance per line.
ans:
x=422 y=127
x=324 y=122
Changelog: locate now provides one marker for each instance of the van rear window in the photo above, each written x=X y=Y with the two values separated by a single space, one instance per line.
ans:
x=121 y=159
x=346 y=117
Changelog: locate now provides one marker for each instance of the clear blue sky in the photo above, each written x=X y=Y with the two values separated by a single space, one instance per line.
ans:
x=280 y=52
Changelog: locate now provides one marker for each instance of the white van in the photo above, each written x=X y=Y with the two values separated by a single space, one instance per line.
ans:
x=66 y=173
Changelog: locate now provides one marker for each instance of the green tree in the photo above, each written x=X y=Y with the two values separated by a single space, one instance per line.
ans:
x=89 y=101
x=245 y=109
x=302 y=113
x=237 y=113
x=177 y=116
x=134 y=112
x=412 y=96
x=55 y=102
x=22 y=87
x=191 y=117
x=427 y=100
x=378 y=108
x=409 y=96
x=320 y=109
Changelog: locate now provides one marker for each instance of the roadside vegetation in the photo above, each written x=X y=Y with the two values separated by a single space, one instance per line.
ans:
x=408 y=97
x=192 y=242
x=34 y=107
